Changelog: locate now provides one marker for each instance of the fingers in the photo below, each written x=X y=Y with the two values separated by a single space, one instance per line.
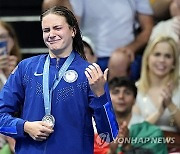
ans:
x=8 y=63
x=166 y=94
x=93 y=72
x=47 y=125
x=38 y=130
x=167 y=90
x=96 y=79
x=12 y=63
x=46 y=130
x=98 y=69
x=123 y=126
x=123 y=131
x=43 y=134
x=12 y=60
x=3 y=61
x=39 y=138
x=106 y=74
x=170 y=86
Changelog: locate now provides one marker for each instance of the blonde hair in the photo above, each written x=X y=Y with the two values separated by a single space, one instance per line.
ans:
x=144 y=81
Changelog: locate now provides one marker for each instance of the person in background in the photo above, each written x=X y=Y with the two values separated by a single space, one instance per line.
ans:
x=170 y=27
x=89 y=50
x=123 y=95
x=12 y=55
x=58 y=94
x=161 y=9
x=114 y=27
x=158 y=99
x=46 y=4
x=119 y=65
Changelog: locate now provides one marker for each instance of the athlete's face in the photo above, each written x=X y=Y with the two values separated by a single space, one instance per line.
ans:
x=57 y=34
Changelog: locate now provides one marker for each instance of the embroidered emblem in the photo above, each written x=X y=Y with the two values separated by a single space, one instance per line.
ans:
x=70 y=76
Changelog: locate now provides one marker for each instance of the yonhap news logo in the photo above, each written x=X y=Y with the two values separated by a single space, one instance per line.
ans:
x=144 y=140
x=102 y=140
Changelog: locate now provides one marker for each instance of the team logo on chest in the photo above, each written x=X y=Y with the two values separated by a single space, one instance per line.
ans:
x=70 y=76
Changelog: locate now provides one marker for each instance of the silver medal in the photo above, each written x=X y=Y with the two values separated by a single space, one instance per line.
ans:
x=49 y=119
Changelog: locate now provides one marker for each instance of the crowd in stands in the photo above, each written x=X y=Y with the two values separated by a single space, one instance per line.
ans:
x=139 y=41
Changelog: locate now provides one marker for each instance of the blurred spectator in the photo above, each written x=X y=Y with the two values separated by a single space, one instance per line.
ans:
x=89 y=50
x=158 y=99
x=119 y=65
x=161 y=9
x=112 y=27
x=117 y=31
x=46 y=4
x=12 y=55
x=169 y=27
x=123 y=95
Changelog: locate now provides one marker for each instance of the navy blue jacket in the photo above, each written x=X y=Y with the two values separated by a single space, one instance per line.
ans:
x=73 y=106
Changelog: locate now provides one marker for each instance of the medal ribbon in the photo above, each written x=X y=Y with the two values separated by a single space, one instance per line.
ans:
x=46 y=92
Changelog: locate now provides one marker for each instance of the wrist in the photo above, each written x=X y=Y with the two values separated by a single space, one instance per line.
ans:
x=100 y=93
x=26 y=126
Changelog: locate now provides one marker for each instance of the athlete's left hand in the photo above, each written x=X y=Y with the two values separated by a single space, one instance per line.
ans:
x=96 y=78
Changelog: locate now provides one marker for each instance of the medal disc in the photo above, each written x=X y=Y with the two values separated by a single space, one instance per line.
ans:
x=49 y=119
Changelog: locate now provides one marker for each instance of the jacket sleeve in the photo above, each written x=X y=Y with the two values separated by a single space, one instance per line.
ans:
x=11 y=99
x=104 y=116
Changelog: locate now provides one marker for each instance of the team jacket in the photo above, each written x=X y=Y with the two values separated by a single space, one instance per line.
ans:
x=73 y=106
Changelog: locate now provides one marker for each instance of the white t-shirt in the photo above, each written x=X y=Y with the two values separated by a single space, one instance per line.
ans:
x=164 y=28
x=109 y=23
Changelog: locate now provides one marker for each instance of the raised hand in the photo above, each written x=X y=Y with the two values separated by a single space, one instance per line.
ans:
x=38 y=130
x=96 y=78
x=166 y=94
x=7 y=63
x=3 y=61
x=12 y=62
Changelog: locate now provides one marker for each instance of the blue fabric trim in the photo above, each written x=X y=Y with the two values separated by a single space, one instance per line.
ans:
x=106 y=88
x=20 y=128
x=111 y=118
x=9 y=130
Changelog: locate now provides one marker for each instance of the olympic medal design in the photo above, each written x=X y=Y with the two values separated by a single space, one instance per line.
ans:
x=49 y=119
x=70 y=76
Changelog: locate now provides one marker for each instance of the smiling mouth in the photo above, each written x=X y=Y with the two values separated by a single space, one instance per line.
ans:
x=52 y=42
